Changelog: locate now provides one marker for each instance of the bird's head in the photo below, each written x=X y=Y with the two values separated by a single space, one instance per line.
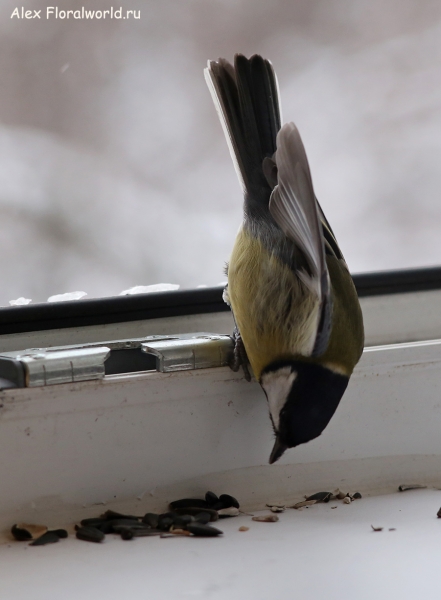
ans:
x=302 y=397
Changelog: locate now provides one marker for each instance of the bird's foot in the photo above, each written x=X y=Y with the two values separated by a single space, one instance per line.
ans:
x=239 y=358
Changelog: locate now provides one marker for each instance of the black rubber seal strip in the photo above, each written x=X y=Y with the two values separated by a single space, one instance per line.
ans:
x=118 y=309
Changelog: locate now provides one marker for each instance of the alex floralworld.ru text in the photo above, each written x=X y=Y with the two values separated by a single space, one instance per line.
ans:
x=53 y=12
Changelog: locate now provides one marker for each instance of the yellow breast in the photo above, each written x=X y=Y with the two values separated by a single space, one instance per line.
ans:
x=275 y=312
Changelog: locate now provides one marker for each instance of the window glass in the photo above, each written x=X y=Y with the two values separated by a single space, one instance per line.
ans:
x=114 y=171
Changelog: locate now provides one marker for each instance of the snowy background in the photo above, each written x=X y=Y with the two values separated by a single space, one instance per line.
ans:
x=113 y=167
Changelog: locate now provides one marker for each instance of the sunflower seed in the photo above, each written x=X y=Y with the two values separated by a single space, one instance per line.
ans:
x=377 y=528
x=23 y=535
x=194 y=511
x=49 y=537
x=340 y=495
x=201 y=530
x=357 y=496
x=266 y=518
x=90 y=534
x=62 y=533
x=438 y=514
x=228 y=501
x=347 y=500
x=202 y=517
x=189 y=503
x=151 y=519
x=165 y=523
x=211 y=498
x=110 y=515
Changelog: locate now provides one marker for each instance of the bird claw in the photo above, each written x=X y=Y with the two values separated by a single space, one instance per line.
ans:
x=239 y=358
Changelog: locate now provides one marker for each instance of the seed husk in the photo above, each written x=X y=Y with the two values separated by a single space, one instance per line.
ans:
x=357 y=496
x=243 y=528
x=194 y=511
x=211 y=498
x=90 y=534
x=347 y=500
x=304 y=503
x=266 y=518
x=411 y=486
x=179 y=531
x=341 y=495
x=34 y=531
x=181 y=521
x=189 y=503
x=50 y=537
x=320 y=497
x=377 y=528
x=277 y=509
x=229 y=501
x=232 y=511
x=201 y=530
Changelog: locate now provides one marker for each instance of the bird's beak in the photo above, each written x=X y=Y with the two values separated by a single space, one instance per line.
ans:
x=278 y=450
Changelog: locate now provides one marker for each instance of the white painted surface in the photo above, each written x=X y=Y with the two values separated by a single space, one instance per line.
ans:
x=318 y=552
x=388 y=319
x=138 y=441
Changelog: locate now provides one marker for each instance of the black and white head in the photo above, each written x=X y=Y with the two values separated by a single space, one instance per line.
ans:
x=302 y=397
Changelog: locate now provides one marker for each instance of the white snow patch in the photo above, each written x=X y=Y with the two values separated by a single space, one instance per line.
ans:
x=20 y=301
x=148 y=289
x=67 y=296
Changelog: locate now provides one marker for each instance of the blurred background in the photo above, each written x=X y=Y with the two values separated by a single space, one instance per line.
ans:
x=114 y=171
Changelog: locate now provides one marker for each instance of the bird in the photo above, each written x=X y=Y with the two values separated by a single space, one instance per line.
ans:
x=298 y=321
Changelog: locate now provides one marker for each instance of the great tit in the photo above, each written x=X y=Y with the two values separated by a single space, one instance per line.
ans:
x=296 y=310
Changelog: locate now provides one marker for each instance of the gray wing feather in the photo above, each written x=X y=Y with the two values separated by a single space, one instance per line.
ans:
x=295 y=210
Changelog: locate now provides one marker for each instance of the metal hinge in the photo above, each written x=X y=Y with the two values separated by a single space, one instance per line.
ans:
x=68 y=364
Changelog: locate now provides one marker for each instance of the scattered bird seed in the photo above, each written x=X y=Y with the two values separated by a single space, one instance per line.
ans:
x=201 y=530
x=341 y=495
x=126 y=534
x=151 y=519
x=165 y=523
x=27 y=531
x=90 y=534
x=232 y=511
x=438 y=514
x=357 y=496
x=189 y=503
x=320 y=497
x=347 y=500
x=110 y=515
x=277 y=509
x=50 y=537
x=194 y=511
x=243 y=528
x=377 y=528
x=202 y=517
x=411 y=486
x=266 y=518
x=304 y=503
x=334 y=506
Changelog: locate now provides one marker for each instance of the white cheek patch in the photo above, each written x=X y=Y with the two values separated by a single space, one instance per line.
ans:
x=277 y=385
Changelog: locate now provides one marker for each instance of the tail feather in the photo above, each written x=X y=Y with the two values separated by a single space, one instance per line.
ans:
x=247 y=100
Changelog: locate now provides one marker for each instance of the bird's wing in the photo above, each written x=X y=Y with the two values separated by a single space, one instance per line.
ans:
x=294 y=208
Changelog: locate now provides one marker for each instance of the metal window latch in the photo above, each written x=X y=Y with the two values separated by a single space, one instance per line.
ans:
x=68 y=364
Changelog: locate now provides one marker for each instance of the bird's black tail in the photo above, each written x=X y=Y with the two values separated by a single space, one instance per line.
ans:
x=247 y=101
